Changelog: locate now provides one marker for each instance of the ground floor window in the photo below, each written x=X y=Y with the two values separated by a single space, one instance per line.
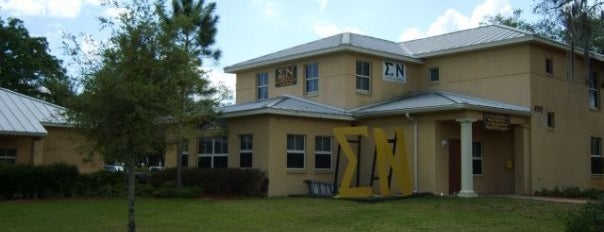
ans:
x=295 y=151
x=245 y=151
x=213 y=152
x=323 y=152
x=184 y=153
x=477 y=158
x=596 y=156
x=8 y=156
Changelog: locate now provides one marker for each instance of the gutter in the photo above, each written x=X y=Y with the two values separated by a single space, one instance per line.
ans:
x=415 y=154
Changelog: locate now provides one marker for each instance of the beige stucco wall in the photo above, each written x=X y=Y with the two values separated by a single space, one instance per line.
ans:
x=337 y=84
x=60 y=145
x=561 y=155
x=65 y=145
x=23 y=144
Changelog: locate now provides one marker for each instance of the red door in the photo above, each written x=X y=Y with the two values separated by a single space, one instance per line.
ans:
x=454 y=166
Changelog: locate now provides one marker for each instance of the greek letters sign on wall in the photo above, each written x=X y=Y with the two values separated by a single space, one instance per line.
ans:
x=394 y=72
x=286 y=76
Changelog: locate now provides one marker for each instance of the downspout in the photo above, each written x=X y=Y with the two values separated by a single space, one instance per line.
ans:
x=415 y=158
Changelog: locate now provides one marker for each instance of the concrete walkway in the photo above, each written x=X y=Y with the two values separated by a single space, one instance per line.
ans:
x=538 y=198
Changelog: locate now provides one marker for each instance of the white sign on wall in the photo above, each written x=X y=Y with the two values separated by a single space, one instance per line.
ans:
x=394 y=72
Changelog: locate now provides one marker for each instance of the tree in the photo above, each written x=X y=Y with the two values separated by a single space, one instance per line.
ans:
x=121 y=102
x=514 y=21
x=146 y=88
x=581 y=24
x=190 y=30
x=27 y=67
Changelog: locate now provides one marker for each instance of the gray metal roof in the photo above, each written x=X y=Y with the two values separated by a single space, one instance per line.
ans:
x=286 y=105
x=419 y=102
x=471 y=38
x=340 y=42
x=24 y=115
x=433 y=101
x=412 y=51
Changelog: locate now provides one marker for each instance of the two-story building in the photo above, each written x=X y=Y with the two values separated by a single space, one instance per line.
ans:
x=490 y=110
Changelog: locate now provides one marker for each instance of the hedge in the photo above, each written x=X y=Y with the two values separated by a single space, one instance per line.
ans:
x=27 y=181
x=218 y=181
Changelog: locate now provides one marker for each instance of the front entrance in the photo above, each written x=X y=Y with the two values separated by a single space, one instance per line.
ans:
x=454 y=166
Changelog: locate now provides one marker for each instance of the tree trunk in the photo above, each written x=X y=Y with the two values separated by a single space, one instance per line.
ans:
x=131 y=193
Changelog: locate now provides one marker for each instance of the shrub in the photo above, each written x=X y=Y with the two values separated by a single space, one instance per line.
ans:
x=169 y=190
x=589 y=218
x=571 y=191
x=29 y=181
x=219 y=181
x=102 y=184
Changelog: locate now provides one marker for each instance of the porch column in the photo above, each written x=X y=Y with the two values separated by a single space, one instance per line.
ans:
x=467 y=180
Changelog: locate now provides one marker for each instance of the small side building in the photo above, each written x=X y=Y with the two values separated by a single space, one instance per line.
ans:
x=35 y=132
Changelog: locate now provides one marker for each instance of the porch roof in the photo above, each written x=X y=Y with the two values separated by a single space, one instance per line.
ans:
x=286 y=105
x=433 y=101
x=25 y=115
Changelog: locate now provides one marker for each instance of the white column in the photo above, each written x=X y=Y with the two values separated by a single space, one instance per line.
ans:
x=467 y=180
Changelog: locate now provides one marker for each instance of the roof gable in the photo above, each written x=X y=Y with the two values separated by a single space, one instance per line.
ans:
x=25 y=115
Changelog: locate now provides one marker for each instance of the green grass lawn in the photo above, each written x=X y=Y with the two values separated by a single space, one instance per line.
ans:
x=286 y=214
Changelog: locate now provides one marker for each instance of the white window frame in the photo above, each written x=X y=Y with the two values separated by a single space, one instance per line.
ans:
x=324 y=152
x=214 y=154
x=250 y=150
x=308 y=78
x=5 y=157
x=593 y=92
x=261 y=88
x=293 y=151
x=368 y=77
x=595 y=155
x=479 y=158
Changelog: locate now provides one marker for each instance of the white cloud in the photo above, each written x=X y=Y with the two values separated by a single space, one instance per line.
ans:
x=268 y=7
x=219 y=78
x=325 y=29
x=322 y=4
x=49 y=8
x=453 y=20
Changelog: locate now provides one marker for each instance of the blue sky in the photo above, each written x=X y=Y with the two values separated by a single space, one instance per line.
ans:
x=252 y=28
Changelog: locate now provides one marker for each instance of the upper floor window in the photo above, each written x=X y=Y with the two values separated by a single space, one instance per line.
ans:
x=594 y=91
x=213 y=152
x=477 y=158
x=8 y=156
x=322 y=152
x=363 y=76
x=551 y=120
x=261 y=86
x=311 y=76
x=549 y=66
x=434 y=74
x=295 y=151
x=245 y=151
x=596 y=156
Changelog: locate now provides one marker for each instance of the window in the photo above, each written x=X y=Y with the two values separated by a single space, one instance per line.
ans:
x=477 y=158
x=311 y=75
x=434 y=74
x=596 y=156
x=245 y=151
x=551 y=120
x=363 y=76
x=8 y=156
x=184 y=153
x=594 y=92
x=549 y=66
x=322 y=152
x=213 y=152
x=295 y=151
x=262 y=86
